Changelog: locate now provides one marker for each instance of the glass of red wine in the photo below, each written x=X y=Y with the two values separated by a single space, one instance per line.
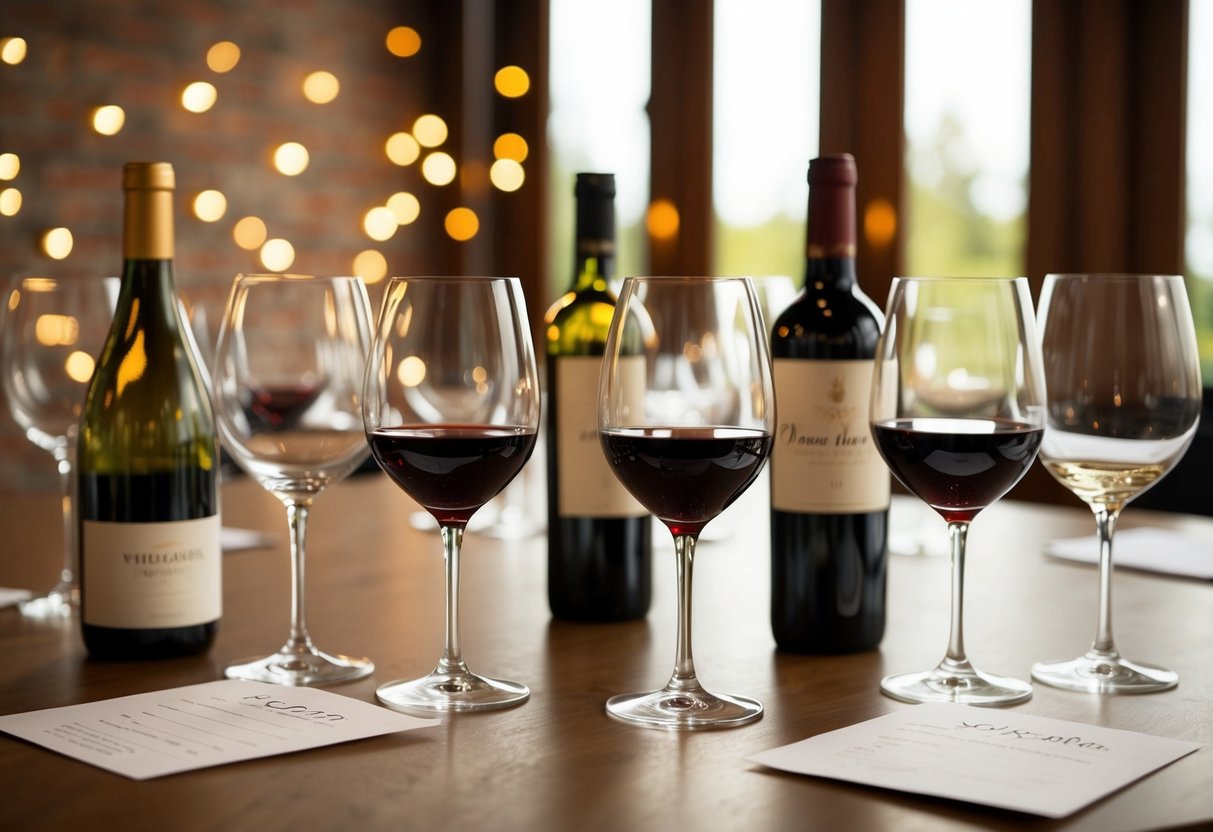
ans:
x=957 y=412
x=1124 y=403
x=288 y=398
x=685 y=415
x=451 y=410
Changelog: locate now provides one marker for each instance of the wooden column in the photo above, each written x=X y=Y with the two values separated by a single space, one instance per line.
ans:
x=862 y=113
x=680 y=115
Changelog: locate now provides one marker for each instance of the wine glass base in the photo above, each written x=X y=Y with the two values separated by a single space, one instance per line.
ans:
x=683 y=710
x=1104 y=674
x=60 y=602
x=970 y=688
x=458 y=691
x=301 y=668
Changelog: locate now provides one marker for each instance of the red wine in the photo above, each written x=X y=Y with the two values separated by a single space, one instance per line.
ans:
x=599 y=541
x=829 y=487
x=452 y=470
x=958 y=466
x=279 y=406
x=686 y=476
x=185 y=493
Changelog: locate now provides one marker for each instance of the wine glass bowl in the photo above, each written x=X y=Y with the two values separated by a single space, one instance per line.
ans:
x=957 y=413
x=451 y=412
x=288 y=389
x=686 y=414
x=1124 y=399
x=53 y=330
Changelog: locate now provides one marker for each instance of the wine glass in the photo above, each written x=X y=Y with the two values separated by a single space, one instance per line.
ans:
x=1124 y=386
x=958 y=413
x=52 y=333
x=685 y=416
x=288 y=393
x=451 y=410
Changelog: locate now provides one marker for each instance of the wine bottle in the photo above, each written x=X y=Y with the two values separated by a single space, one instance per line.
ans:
x=148 y=458
x=599 y=550
x=829 y=488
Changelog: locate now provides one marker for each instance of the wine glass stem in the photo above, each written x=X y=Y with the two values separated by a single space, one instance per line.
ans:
x=958 y=532
x=65 y=460
x=296 y=519
x=684 y=677
x=452 y=655
x=1105 y=523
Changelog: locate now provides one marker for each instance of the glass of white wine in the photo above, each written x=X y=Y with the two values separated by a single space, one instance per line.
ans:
x=1124 y=396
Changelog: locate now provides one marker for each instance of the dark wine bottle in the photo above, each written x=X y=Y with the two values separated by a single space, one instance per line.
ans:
x=148 y=458
x=829 y=487
x=599 y=549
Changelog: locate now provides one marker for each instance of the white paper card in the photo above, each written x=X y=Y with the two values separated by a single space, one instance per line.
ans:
x=1155 y=550
x=165 y=732
x=1008 y=760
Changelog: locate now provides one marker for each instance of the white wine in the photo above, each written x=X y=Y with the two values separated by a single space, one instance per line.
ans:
x=148 y=457
x=1105 y=483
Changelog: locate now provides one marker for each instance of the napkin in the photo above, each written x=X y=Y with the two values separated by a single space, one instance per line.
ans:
x=1155 y=550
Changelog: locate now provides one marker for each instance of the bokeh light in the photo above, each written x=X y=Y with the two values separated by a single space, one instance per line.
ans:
x=439 y=169
x=404 y=206
x=662 y=219
x=13 y=50
x=10 y=165
x=379 y=223
x=507 y=175
x=321 y=87
x=512 y=81
x=879 y=222
x=223 y=56
x=57 y=243
x=402 y=149
x=199 y=96
x=79 y=366
x=429 y=130
x=370 y=265
x=10 y=202
x=291 y=158
x=403 y=42
x=411 y=371
x=210 y=206
x=277 y=255
x=249 y=233
x=108 y=119
x=462 y=224
x=510 y=146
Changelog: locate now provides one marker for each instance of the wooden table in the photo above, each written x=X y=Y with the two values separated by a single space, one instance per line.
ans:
x=558 y=762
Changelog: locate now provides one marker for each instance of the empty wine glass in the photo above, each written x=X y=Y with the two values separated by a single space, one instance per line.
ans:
x=686 y=413
x=288 y=397
x=52 y=333
x=1124 y=399
x=451 y=410
x=957 y=413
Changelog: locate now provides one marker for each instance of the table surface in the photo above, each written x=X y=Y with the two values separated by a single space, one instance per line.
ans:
x=558 y=761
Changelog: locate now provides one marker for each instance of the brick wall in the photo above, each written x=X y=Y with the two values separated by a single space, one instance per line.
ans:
x=140 y=55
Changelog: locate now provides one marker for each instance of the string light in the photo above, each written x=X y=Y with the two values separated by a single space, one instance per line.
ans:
x=210 y=206
x=379 y=223
x=277 y=255
x=291 y=158
x=370 y=265
x=57 y=243
x=199 y=96
x=404 y=206
x=402 y=149
x=249 y=233
x=223 y=56
x=13 y=50
x=109 y=119
x=403 y=42
x=662 y=220
x=507 y=175
x=10 y=202
x=438 y=169
x=462 y=224
x=512 y=81
x=321 y=87
x=10 y=165
x=429 y=130
x=510 y=146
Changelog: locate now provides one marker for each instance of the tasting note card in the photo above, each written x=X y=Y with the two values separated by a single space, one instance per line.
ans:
x=153 y=734
x=1005 y=759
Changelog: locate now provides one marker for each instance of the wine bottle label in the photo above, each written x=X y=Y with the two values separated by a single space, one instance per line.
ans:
x=824 y=460
x=588 y=486
x=151 y=575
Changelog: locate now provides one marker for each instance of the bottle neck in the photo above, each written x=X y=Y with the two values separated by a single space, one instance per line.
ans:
x=594 y=252
x=829 y=273
x=592 y=270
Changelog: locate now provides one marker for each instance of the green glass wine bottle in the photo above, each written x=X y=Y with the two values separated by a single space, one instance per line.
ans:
x=148 y=457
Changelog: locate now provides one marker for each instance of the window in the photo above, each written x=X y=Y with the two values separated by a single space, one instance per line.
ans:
x=967 y=107
x=1198 y=248
x=765 y=113
x=600 y=73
